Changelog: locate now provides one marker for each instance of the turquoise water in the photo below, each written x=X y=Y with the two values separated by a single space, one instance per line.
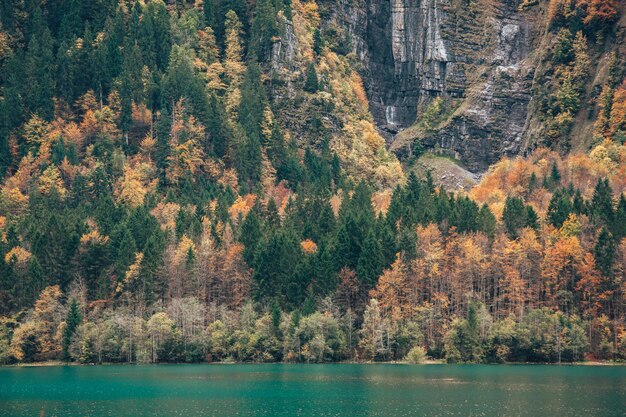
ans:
x=313 y=390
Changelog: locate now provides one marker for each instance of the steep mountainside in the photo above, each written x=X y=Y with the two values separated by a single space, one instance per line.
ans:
x=488 y=60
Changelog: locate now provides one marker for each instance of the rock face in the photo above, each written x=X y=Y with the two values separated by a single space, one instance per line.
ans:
x=473 y=54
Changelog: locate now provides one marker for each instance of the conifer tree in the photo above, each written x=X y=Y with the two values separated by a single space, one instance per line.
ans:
x=38 y=80
x=72 y=321
x=604 y=252
x=601 y=209
x=371 y=262
x=311 y=85
x=264 y=29
x=559 y=209
x=619 y=221
x=318 y=42
x=514 y=215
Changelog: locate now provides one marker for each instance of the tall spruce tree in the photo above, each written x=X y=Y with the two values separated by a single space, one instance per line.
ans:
x=72 y=321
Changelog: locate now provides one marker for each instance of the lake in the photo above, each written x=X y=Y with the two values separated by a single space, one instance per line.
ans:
x=313 y=390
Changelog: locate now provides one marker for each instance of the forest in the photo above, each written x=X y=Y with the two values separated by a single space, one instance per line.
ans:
x=160 y=201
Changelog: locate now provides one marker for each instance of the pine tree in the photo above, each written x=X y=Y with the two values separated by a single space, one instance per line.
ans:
x=601 y=209
x=350 y=239
x=125 y=253
x=154 y=35
x=209 y=12
x=408 y=245
x=276 y=316
x=182 y=81
x=251 y=234
x=277 y=265
x=604 y=252
x=38 y=80
x=578 y=204
x=37 y=280
x=253 y=102
x=264 y=29
x=318 y=42
x=217 y=129
x=72 y=321
x=555 y=175
x=371 y=262
x=311 y=84
x=325 y=273
x=532 y=219
x=619 y=221
x=559 y=208
x=486 y=221
x=514 y=215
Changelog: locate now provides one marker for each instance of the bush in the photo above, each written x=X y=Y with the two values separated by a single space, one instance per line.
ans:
x=416 y=355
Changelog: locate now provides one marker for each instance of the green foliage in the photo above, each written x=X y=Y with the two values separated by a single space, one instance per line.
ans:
x=563 y=50
x=560 y=208
x=416 y=355
x=72 y=321
x=311 y=84
x=264 y=28
x=516 y=216
x=318 y=41
x=463 y=342
x=601 y=208
x=434 y=114
x=604 y=252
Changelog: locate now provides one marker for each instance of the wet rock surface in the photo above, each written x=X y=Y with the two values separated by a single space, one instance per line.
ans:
x=473 y=55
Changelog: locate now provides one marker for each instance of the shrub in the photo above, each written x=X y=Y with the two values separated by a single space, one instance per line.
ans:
x=416 y=355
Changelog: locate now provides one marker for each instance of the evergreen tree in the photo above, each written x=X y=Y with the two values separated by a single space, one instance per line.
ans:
x=251 y=116
x=371 y=262
x=264 y=29
x=37 y=279
x=325 y=272
x=182 y=81
x=601 y=209
x=311 y=85
x=559 y=208
x=253 y=102
x=555 y=175
x=277 y=264
x=408 y=245
x=318 y=42
x=578 y=204
x=72 y=321
x=604 y=252
x=514 y=216
x=619 y=220
x=486 y=221
x=350 y=239
x=532 y=219
x=217 y=129
x=251 y=235
x=209 y=12
x=38 y=83
x=276 y=316
x=125 y=253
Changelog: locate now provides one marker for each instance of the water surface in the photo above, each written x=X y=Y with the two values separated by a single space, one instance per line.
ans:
x=313 y=390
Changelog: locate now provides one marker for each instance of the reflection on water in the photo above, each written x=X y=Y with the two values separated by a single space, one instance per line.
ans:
x=313 y=390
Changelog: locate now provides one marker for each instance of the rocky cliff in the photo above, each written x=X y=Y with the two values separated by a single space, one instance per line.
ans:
x=484 y=59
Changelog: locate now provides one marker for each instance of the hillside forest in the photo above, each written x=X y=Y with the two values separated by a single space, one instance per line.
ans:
x=171 y=194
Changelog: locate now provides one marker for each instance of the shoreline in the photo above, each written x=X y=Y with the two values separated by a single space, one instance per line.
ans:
x=44 y=364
